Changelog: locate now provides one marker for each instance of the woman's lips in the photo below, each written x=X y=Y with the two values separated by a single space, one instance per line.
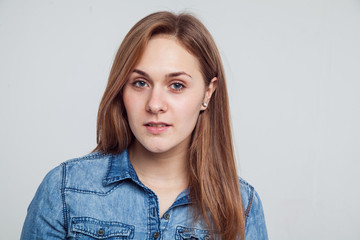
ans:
x=156 y=127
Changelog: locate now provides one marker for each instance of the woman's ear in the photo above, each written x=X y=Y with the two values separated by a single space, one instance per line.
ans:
x=208 y=93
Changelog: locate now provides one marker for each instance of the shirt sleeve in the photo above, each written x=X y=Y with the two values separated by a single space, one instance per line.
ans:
x=46 y=213
x=255 y=228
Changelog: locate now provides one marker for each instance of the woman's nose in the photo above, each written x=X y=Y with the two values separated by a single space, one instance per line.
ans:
x=156 y=102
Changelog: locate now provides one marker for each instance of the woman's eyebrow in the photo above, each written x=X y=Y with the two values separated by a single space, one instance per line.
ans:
x=170 y=75
x=176 y=74
x=141 y=73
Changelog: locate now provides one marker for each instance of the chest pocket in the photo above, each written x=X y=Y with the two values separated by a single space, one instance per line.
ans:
x=191 y=233
x=86 y=228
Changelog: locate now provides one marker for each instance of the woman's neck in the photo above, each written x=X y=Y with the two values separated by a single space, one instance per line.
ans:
x=159 y=169
x=166 y=174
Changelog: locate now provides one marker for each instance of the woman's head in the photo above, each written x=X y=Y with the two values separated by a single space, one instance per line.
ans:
x=114 y=133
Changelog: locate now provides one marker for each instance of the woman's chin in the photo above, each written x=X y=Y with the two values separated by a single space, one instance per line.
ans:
x=162 y=146
x=157 y=149
x=161 y=149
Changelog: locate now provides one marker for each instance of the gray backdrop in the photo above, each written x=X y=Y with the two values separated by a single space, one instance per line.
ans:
x=293 y=70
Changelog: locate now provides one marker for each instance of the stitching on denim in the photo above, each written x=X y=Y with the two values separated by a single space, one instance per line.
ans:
x=93 y=155
x=65 y=217
x=90 y=156
x=243 y=181
x=247 y=211
x=132 y=171
x=97 y=221
x=92 y=192
x=149 y=215
x=116 y=179
x=125 y=228
x=192 y=231
x=109 y=167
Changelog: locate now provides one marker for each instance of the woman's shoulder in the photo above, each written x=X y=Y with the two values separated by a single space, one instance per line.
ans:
x=77 y=172
x=254 y=213
x=249 y=197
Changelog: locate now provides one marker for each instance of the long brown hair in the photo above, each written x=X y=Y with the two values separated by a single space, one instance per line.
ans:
x=214 y=184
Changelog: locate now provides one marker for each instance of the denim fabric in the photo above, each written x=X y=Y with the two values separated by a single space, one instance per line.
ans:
x=100 y=197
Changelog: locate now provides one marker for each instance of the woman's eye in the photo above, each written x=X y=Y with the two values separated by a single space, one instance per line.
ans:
x=140 y=84
x=177 y=86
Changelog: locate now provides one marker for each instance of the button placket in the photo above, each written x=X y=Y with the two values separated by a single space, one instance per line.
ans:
x=164 y=221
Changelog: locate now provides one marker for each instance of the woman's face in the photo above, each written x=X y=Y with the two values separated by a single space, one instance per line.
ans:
x=163 y=96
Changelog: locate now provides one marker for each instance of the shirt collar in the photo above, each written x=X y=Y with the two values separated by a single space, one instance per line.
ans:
x=119 y=169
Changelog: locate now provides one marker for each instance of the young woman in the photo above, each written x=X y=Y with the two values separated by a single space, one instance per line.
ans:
x=164 y=166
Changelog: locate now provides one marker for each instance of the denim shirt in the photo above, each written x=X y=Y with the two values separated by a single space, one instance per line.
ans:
x=101 y=197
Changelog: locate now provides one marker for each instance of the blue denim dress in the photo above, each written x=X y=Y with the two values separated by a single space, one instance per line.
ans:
x=101 y=197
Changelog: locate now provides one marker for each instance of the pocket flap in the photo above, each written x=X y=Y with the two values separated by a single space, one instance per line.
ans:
x=192 y=233
x=101 y=229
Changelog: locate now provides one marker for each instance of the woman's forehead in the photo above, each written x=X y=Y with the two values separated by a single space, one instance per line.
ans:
x=166 y=53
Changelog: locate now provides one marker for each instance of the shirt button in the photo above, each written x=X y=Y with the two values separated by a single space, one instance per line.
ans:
x=206 y=238
x=101 y=232
x=156 y=235
x=166 y=216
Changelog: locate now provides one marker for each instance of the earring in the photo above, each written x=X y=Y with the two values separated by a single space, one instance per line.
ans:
x=204 y=104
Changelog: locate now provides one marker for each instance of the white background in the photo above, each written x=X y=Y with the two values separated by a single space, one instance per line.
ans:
x=293 y=71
